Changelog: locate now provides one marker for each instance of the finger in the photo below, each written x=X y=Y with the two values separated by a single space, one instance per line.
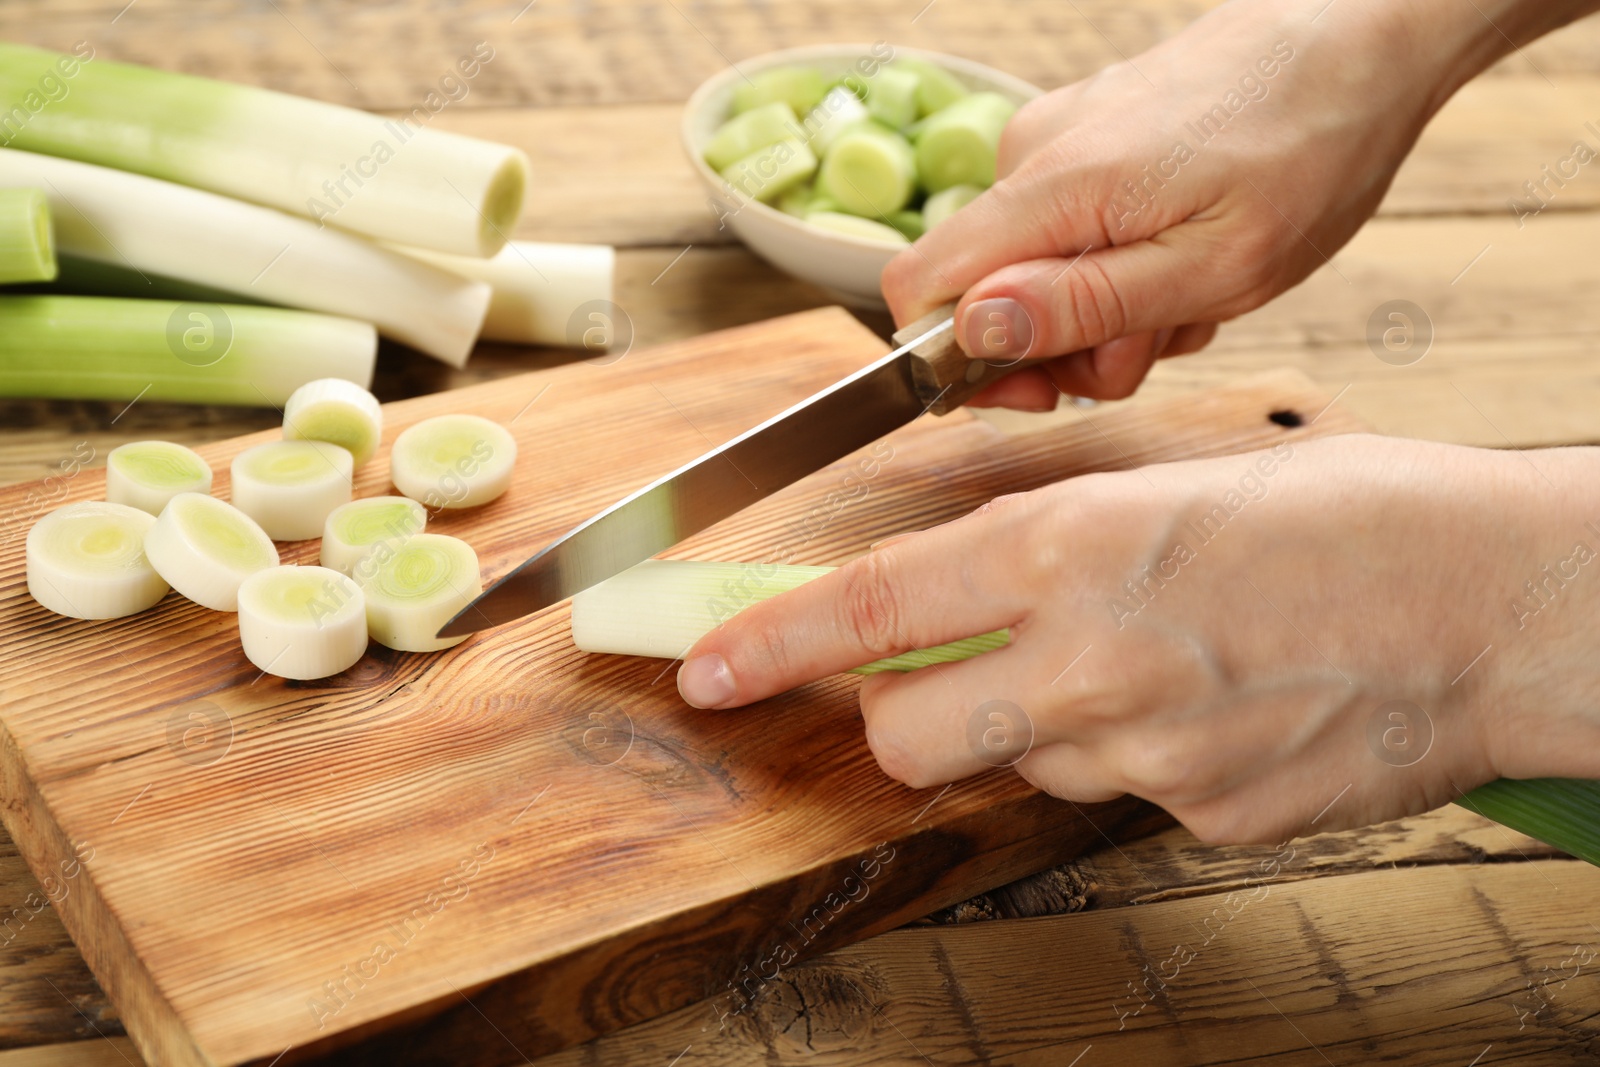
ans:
x=950 y=721
x=1050 y=307
x=1025 y=390
x=1036 y=123
x=951 y=582
x=1070 y=772
x=1190 y=338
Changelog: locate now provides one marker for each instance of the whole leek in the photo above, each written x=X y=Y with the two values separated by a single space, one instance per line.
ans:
x=27 y=249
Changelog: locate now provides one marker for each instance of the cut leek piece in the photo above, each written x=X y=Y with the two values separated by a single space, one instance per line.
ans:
x=937 y=88
x=291 y=487
x=909 y=223
x=796 y=201
x=27 y=247
x=839 y=111
x=339 y=412
x=172 y=231
x=103 y=348
x=661 y=608
x=750 y=130
x=453 y=461
x=768 y=173
x=417 y=587
x=87 y=561
x=302 y=622
x=147 y=474
x=802 y=88
x=396 y=179
x=947 y=202
x=354 y=529
x=870 y=171
x=892 y=97
x=856 y=226
x=538 y=287
x=957 y=146
x=206 y=548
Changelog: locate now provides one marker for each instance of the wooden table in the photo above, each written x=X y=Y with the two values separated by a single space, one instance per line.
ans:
x=1439 y=939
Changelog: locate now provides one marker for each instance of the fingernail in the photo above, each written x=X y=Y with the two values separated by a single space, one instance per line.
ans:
x=705 y=681
x=997 y=328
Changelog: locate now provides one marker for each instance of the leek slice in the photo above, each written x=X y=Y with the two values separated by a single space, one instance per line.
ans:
x=957 y=146
x=856 y=226
x=947 y=202
x=394 y=179
x=147 y=474
x=892 y=97
x=453 y=461
x=768 y=173
x=302 y=622
x=27 y=247
x=937 y=88
x=291 y=487
x=353 y=529
x=159 y=228
x=336 y=411
x=750 y=130
x=870 y=171
x=539 y=289
x=414 y=589
x=205 y=549
x=839 y=111
x=102 y=348
x=661 y=608
x=802 y=88
x=87 y=561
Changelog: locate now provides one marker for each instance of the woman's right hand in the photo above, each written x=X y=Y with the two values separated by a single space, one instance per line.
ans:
x=1142 y=206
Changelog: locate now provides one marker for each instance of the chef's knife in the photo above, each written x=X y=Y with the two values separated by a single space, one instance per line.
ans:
x=927 y=372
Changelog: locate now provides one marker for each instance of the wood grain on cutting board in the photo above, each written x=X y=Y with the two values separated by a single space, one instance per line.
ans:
x=512 y=829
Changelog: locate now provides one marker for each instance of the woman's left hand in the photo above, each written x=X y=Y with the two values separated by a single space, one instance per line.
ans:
x=1325 y=633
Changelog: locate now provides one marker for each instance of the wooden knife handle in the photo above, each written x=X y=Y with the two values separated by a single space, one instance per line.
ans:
x=944 y=375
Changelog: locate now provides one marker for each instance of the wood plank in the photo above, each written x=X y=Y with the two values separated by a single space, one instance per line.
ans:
x=110 y=1052
x=326 y=813
x=1434 y=965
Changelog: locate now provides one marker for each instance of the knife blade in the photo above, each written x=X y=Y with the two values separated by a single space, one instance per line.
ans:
x=927 y=372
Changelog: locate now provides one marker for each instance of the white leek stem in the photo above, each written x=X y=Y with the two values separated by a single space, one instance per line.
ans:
x=538 y=289
x=87 y=561
x=158 y=228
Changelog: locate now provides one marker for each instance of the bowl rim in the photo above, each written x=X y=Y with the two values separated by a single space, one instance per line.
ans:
x=1008 y=83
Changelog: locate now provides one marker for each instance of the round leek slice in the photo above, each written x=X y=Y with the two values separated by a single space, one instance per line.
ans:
x=205 y=548
x=302 y=622
x=354 y=528
x=87 y=561
x=339 y=412
x=147 y=474
x=417 y=587
x=453 y=461
x=291 y=487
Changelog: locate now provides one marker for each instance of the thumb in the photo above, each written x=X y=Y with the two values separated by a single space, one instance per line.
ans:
x=944 y=584
x=1044 y=308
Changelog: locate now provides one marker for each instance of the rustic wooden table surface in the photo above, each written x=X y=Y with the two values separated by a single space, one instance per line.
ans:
x=1440 y=939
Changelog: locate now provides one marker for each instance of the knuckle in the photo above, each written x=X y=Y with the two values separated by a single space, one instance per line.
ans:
x=1091 y=309
x=893 y=757
x=870 y=609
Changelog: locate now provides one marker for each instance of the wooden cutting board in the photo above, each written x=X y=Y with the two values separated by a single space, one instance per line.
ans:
x=511 y=833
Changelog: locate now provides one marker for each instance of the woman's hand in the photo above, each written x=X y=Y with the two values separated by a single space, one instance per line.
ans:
x=1246 y=641
x=1142 y=206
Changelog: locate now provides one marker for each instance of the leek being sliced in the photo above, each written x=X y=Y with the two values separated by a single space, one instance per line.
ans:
x=27 y=247
x=291 y=487
x=354 y=529
x=415 y=588
x=661 y=608
x=161 y=229
x=302 y=622
x=87 y=561
x=339 y=412
x=205 y=549
x=395 y=179
x=147 y=474
x=453 y=461
x=537 y=288
x=102 y=348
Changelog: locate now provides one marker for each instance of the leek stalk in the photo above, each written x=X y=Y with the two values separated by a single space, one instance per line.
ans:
x=27 y=249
